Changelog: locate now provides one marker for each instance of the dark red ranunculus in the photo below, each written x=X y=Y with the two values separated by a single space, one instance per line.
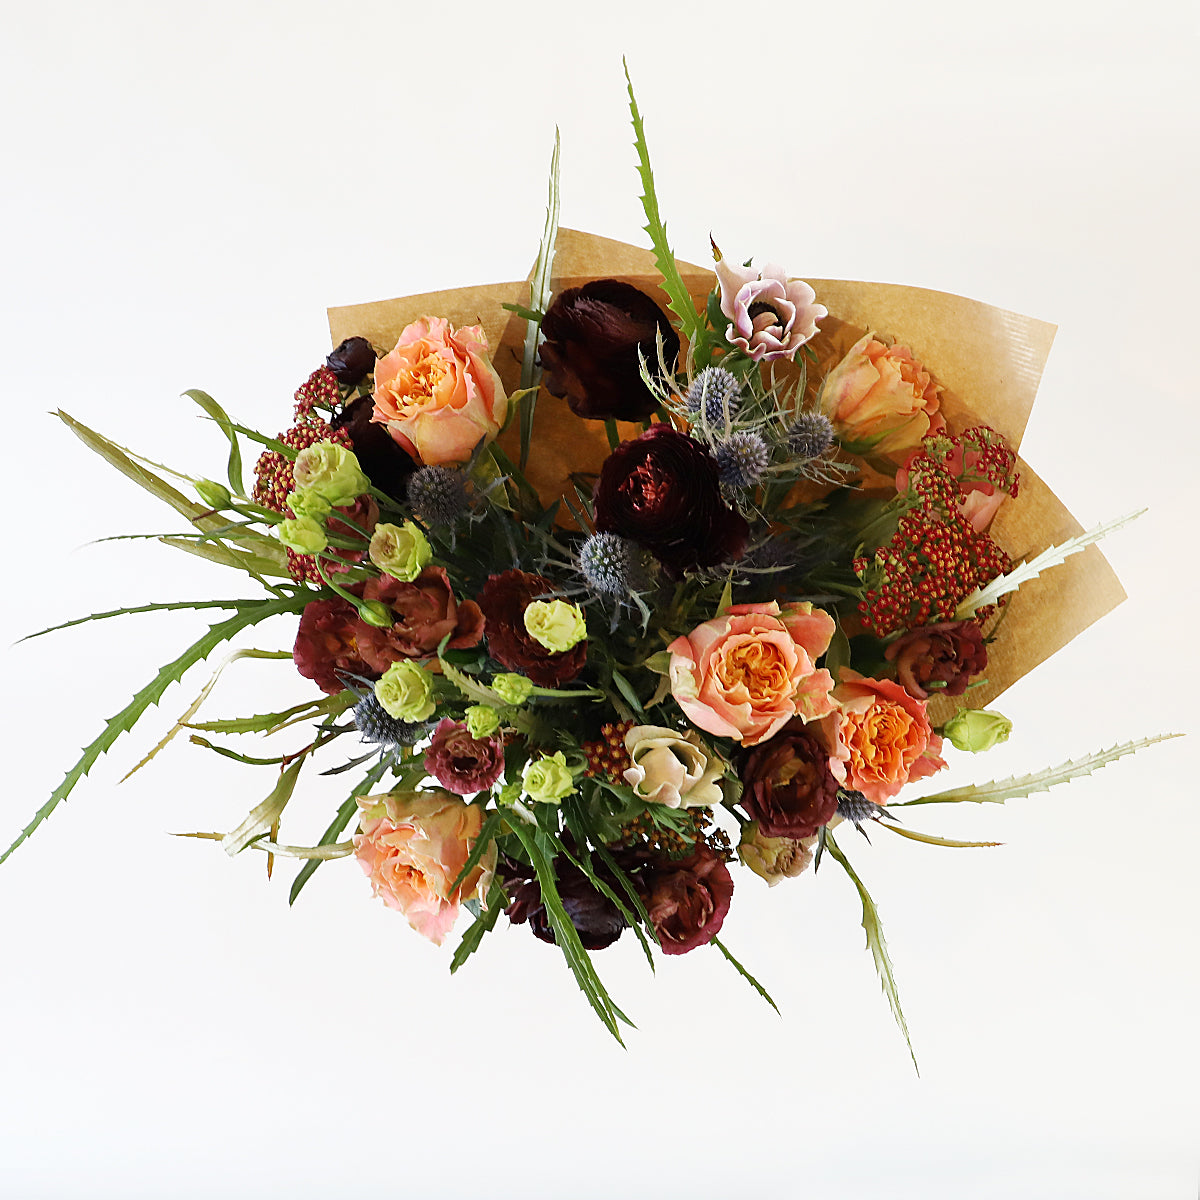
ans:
x=948 y=654
x=326 y=643
x=593 y=336
x=352 y=360
x=383 y=462
x=663 y=491
x=425 y=612
x=462 y=763
x=596 y=918
x=504 y=599
x=787 y=786
x=687 y=900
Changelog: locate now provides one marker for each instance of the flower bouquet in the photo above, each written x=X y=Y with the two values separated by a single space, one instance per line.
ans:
x=611 y=581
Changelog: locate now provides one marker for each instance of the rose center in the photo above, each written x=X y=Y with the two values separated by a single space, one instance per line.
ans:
x=416 y=383
x=756 y=666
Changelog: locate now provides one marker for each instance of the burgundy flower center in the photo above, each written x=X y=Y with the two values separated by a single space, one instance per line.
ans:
x=646 y=485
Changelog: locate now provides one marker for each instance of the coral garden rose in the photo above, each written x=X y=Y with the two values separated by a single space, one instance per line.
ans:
x=883 y=737
x=412 y=846
x=881 y=395
x=662 y=490
x=787 y=786
x=686 y=900
x=770 y=316
x=438 y=393
x=672 y=768
x=504 y=599
x=594 y=337
x=746 y=673
x=462 y=762
x=424 y=612
x=939 y=658
x=327 y=642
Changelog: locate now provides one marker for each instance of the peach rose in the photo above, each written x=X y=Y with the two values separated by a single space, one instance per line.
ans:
x=882 y=395
x=881 y=737
x=746 y=673
x=438 y=393
x=412 y=845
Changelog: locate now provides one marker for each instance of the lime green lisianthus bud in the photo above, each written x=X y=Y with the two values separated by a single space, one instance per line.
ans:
x=306 y=503
x=406 y=691
x=401 y=551
x=977 y=729
x=556 y=624
x=331 y=471
x=548 y=779
x=215 y=495
x=375 y=612
x=482 y=721
x=304 y=535
x=510 y=793
x=512 y=688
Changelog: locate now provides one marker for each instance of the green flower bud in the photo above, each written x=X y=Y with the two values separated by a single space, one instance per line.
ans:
x=331 y=471
x=375 y=612
x=401 y=551
x=510 y=793
x=406 y=691
x=303 y=535
x=482 y=721
x=215 y=495
x=512 y=689
x=977 y=729
x=308 y=504
x=556 y=624
x=548 y=779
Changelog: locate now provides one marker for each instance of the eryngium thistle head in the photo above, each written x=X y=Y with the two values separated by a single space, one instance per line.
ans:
x=854 y=807
x=613 y=565
x=742 y=459
x=811 y=436
x=375 y=724
x=716 y=393
x=438 y=495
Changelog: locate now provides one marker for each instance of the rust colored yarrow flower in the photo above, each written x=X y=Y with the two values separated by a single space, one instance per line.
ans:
x=788 y=787
x=663 y=491
x=504 y=599
x=687 y=899
x=594 y=336
x=940 y=658
x=462 y=763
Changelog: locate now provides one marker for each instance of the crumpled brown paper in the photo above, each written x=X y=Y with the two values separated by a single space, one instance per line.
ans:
x=988 y=360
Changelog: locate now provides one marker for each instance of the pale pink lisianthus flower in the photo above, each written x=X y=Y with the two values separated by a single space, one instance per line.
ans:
x=412 y=846
x=770 y=316
x=438 y=393
x=745 y=674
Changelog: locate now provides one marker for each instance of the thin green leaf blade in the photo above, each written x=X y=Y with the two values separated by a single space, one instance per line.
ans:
x=484 y=923
x=219 y=415
x=263 y=816
x=737 y=966
x=164 y=606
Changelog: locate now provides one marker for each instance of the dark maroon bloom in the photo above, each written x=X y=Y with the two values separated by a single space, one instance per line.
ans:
x=383 y=462
x=662 y=490
x=596 y=918
x=326 y=643
x=504 y=599
x=938 y=659
x=593 y=337
x=352 y=360
x=425 y=611
x=687 y=900
x=787 y=785
x=462 y=763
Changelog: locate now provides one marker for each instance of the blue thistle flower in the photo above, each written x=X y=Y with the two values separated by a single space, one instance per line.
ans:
x=613 y=565
x=716 y=393
x=743 y=459
x=811 y=436
x=438 y=495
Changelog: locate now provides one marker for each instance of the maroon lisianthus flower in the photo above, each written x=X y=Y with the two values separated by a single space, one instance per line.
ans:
x=327 y=642
x=663 y=491
x=593 y=337
x=504 y=599
x=425 y=610
x=788 y=787
x=596 y=918
x=383 y=462
x=938 y=658
x=687 y=900
x=462 y=763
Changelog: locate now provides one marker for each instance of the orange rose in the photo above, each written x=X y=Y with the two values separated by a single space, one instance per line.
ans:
x=883 y=739
x=882 y=396
x=438 y=393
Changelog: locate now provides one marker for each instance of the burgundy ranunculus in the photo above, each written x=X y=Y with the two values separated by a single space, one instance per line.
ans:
x=933 y=655
x=596 y=918
x=425 y=612
x=326 y=643
x=462 y=763
x=662 y=490
x=788 y=787
x=504 y=600
x=590 y=355
x=352 y=360
x=383 y=462
x=687 y=900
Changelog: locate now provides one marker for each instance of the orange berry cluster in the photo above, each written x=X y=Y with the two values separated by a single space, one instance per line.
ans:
x=608 y=757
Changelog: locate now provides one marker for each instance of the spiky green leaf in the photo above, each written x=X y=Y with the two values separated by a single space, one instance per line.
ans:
x=163 y=606
x=484 y=923
x=737 y=966
x=263 y=816
x=272 y=722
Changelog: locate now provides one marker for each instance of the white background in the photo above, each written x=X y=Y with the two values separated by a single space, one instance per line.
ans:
x=187 y=187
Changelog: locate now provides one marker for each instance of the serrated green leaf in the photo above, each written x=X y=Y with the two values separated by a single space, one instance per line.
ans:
x=257 y=566
x=263 y=816
x=219 y=415
x=487 y=834
x=737 y=966
x=151 y=694
x=1017 y=786
x=875 y=943
x=930 y=838
x=484 y=923
x=274 y=721
x=164 y=606
x=678 y=299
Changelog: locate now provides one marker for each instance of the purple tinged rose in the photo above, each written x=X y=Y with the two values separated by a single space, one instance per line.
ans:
x=770 y=316
x=687 y=899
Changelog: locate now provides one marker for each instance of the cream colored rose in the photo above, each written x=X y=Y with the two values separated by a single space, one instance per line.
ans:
x=672 y=768
x=775 y=858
